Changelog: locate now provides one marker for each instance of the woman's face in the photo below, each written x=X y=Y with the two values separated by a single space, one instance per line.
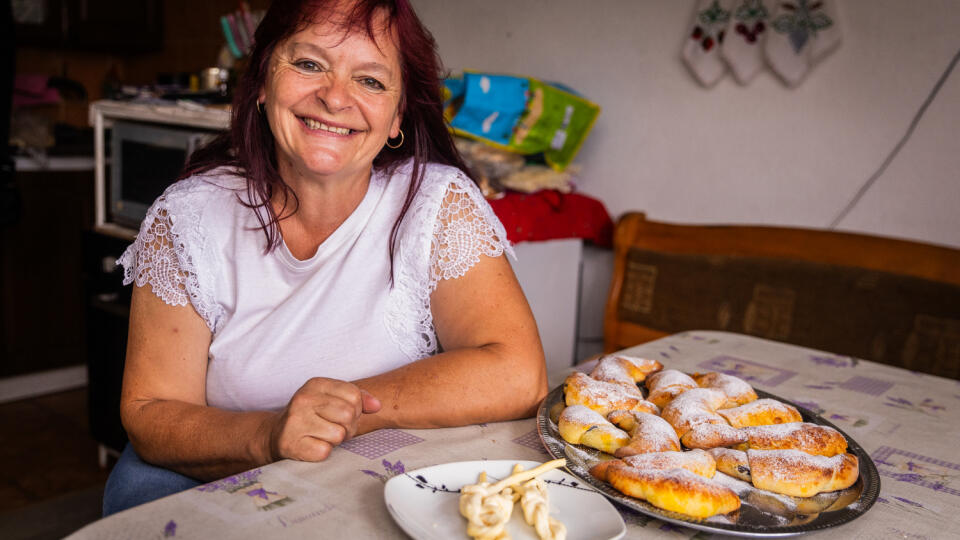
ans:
x=332 y=101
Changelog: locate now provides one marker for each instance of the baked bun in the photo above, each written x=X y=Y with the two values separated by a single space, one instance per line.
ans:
x=761 y=412
x=581 y=425
x=706 y=436
x=738 y=391
x=604 y=397
x=677 y=490
x=624 y=369
x=665 y=385
x=732 y=463
x=694 y=407
x=796 y=473
x=648 y=433
x=697 y=461
x=810 y=438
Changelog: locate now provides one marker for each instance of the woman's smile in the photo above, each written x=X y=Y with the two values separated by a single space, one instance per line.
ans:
x=317 y=125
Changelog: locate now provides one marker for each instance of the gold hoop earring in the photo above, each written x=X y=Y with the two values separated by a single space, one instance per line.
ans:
x=259 y=109
x=398 y=145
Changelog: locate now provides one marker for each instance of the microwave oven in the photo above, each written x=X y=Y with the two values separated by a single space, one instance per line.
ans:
x=145 y=159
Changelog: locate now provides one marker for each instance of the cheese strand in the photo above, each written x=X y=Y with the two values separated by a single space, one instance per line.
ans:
x=488 y=507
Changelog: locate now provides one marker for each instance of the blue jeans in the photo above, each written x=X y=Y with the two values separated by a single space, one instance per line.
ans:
x=133 y=482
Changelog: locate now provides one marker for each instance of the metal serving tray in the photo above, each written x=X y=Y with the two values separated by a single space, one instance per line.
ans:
x=762 y=514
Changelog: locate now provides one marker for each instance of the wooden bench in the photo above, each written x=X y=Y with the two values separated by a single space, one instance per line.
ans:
x=891 y=301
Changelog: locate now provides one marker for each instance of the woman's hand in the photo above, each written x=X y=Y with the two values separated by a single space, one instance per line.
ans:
x=321 y=414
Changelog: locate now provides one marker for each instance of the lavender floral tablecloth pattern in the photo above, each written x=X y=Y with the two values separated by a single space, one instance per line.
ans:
x=908 y=422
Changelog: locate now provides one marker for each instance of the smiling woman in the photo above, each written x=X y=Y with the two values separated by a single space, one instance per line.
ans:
x=332 y=100
x=325 y=269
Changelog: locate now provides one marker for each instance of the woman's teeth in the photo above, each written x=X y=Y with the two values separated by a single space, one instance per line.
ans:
x=313 y=124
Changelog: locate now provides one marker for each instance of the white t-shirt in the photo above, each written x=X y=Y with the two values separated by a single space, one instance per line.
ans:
x=276 y=320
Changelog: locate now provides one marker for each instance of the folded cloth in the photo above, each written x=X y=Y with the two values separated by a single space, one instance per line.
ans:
x=549 y=214
x=31 y=89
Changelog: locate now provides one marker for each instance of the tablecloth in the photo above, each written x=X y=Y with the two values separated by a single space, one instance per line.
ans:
x=908 y=422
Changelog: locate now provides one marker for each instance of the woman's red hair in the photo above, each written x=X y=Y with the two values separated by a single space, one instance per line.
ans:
x=249 y=144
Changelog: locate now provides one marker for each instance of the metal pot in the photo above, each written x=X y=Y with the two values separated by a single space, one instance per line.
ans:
x=214 y=79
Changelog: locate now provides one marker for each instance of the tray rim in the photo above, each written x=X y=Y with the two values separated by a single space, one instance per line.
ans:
x=869 y=475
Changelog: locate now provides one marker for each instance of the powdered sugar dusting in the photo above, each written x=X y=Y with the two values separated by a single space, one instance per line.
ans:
x=761 y=411
x=647 y=365
x=582 y=415
x=694 y=407
x=599 y=395
x=786 y=463
x=811 y=438
x=610 y=370
x=655 y=428
x=695 y=461
x=669 y=377
x=713 y=435
x=736 y=389
x=650 y=434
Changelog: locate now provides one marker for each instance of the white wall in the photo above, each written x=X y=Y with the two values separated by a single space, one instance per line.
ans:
x=757 y=154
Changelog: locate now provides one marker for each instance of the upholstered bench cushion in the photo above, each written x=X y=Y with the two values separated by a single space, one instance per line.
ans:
x=889 y=318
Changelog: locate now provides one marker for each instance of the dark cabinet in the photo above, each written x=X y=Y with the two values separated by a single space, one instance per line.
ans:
x=41 y=281
x=118 y=26
x=107 y=314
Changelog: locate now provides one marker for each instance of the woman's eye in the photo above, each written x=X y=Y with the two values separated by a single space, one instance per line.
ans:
x=372 y=83
x=308 y=65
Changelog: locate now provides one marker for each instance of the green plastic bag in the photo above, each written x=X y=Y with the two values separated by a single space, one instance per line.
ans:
x=554 y=122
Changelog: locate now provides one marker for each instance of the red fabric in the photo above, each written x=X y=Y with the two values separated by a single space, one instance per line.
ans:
x=549 y=214
x=31 y=89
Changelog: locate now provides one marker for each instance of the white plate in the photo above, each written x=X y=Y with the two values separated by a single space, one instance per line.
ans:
x=425 y=502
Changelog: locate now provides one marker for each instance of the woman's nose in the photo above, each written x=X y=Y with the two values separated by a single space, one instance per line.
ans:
x=335 y=94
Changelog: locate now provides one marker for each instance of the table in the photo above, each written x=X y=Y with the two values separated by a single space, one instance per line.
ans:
x=908 y=422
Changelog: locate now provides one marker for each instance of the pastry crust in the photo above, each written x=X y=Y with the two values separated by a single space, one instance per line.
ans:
x=706 y=436
x=579 y=424
x=648 y=433
x=604 y=397
x=698 y=462
x=732 y=463
x=625 y=369
x=667 y=384
x=796 y=473
x=738 y=391
x=676 y=490
x=810 y=438
x=694 y=407
x=761 y=412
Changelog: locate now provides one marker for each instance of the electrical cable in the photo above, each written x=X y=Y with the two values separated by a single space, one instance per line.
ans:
x=896 y=149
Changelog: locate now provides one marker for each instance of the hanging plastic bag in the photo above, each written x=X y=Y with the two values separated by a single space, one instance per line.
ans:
x=521 y=114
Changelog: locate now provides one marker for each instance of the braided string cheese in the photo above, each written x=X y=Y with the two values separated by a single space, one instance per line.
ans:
x=488 y=507
x=535 y=503
x=487 y=513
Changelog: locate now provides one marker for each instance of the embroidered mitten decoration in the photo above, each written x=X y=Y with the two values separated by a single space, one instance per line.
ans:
x=743 y=42
x=701 y=51
x=801 y=32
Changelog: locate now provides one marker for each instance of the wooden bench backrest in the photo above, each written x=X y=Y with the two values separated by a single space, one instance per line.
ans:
x=780 y=245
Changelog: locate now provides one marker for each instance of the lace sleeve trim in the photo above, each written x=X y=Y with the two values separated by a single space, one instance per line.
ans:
x=465 y=228
x=452 y=226
x=162 y=257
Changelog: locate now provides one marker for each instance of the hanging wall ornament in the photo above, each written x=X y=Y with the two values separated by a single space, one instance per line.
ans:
x=828 y=38
x=743 y=44
x=801 y=32
x=701 y=52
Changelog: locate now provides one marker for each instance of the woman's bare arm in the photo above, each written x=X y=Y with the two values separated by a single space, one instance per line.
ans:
x=164 y=410
x=492 y=368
